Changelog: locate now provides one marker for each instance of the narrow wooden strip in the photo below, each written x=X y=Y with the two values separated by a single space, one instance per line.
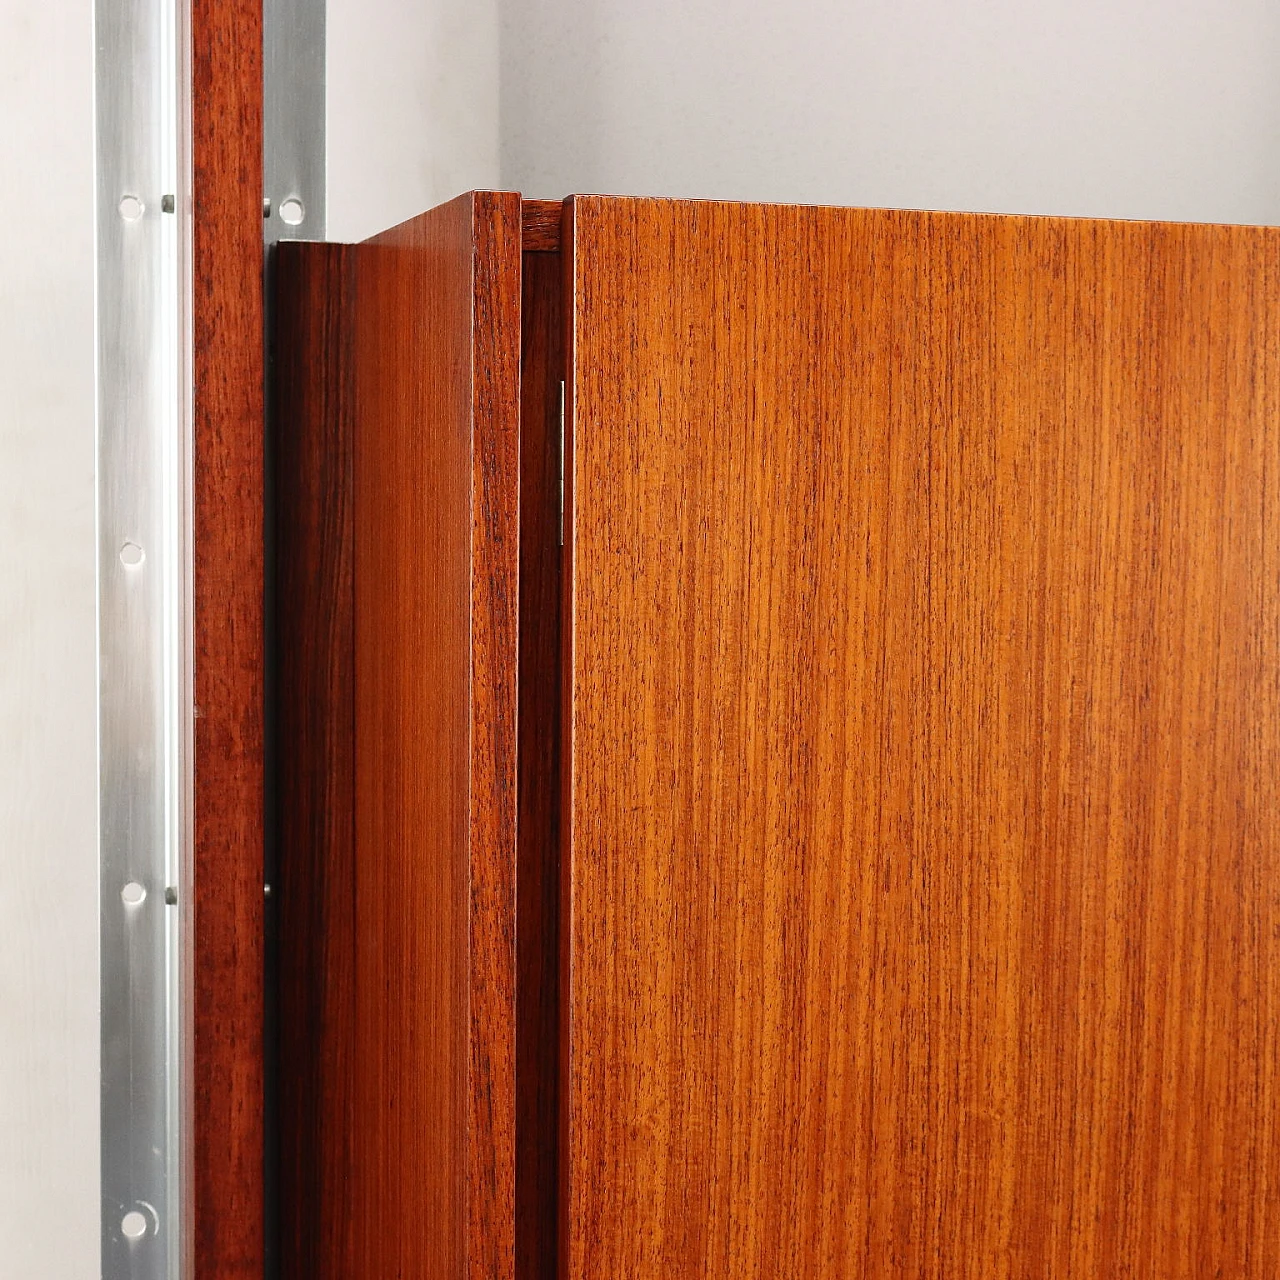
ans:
x=495 y=579
x=540 y=220
x=564 y=789
x=225 y=924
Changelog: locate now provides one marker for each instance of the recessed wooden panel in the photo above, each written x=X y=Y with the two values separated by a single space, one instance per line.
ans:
x=541 y=219
x=538 y=871
x=437 y=349
x=923 y=746
x=314 y=706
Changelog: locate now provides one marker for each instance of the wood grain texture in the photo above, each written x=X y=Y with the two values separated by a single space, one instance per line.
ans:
x=437 y=342
x=224 y=921
x=541 y=223
x=314 y=708
x=538 y=868
x=924 y=746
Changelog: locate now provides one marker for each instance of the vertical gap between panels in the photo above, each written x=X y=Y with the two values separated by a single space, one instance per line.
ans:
x=293 y=206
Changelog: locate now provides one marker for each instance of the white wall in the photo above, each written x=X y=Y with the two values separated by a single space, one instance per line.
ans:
x=412 y=113
x=49 y=1203
x=1122 y=108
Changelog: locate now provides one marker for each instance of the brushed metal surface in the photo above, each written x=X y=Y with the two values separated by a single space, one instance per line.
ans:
x=294 y=119
x=143 y=224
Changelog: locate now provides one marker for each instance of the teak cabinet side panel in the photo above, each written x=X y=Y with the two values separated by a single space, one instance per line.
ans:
x=923 y=745
x=437 y=343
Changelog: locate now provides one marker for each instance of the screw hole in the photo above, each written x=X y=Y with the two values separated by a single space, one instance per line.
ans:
x=133 y=894
x=132 y=555
x=130 y=208
x=133 y=1225
x=292 y=212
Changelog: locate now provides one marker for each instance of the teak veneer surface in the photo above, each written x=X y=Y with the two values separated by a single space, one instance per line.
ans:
x=923 y=746
x=437 y=352
x=223 y=921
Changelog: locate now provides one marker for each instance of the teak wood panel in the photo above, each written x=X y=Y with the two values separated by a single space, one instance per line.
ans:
x=923 y=735
x=223 y=1029
x=314 y=702
x=437 y=349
